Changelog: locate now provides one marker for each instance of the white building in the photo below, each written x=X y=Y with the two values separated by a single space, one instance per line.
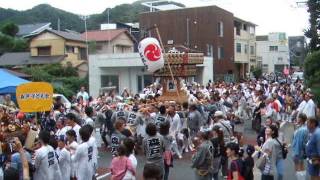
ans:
x=244 y=47
x=273 y=52
x=128 y=71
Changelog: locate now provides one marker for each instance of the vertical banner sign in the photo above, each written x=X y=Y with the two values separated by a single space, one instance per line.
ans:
x=34 y=97
x=151 y=54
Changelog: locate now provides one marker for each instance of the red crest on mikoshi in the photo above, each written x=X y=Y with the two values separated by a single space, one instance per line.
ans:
x=151 y=54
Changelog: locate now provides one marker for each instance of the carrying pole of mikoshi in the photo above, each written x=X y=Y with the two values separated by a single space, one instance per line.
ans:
x=164 y=52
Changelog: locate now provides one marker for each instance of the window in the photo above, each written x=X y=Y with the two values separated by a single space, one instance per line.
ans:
x=238 y=31
x=246 y=47
x=299 y=44
x=44 y=51
x=280 y=59
x=238 y=47
x=83 y=54
x=252 y=50
x=209 y=50
x=220 y=53
x=251 y=30
x=110 y=80
x=265 y=68
x=99 y=47
x=122 y=49
x=245 y=27
x=69 y=49
x=220 y=29
x=273 y=48
x=259 y=64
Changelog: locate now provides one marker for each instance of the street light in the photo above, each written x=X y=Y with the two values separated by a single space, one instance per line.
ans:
x=108 y=28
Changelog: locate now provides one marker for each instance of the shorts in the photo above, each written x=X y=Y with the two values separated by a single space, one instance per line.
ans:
x=313 y=170
x=297 y=159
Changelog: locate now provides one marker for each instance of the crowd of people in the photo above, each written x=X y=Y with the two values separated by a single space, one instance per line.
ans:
x=210 y=125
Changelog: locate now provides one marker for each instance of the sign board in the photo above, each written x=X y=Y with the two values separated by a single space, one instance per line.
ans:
x=34 y=97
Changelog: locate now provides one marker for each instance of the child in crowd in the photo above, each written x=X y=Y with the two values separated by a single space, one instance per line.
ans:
x=64 y=158
x=167 y=140
x=130 y=145
x=121 y=164
x=72 y=147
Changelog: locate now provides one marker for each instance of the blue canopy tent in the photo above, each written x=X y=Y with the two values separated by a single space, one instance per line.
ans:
x=9 y=82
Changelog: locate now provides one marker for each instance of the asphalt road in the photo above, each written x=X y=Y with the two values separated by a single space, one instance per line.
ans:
x=182 y=169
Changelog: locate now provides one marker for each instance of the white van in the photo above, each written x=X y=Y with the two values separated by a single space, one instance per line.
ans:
x=64 y=100
x=297 y=74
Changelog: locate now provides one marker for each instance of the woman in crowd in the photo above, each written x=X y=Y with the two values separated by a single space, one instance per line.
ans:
x=121 y=164
x=129 y=144
x=72 y=147
x=268 y=166
x=236 y=168
x=280 y=150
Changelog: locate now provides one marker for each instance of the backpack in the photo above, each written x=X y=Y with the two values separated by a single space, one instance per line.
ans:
x=108 y=122
x=284 y=149
x=217 y=149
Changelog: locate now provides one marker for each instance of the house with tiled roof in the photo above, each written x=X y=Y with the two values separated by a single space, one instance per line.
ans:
x=111 y=41
x=29 y=29
x=49 y=47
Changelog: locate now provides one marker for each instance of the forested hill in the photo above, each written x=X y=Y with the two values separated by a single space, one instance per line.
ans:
x=71 y=21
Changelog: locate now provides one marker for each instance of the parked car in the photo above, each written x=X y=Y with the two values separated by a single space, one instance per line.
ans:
x=64 y=100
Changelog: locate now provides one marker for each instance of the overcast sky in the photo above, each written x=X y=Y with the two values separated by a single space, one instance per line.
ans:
x=269 y=15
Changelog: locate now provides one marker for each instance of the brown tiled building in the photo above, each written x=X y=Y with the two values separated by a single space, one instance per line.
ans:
x=205 y=29
x=112 y=41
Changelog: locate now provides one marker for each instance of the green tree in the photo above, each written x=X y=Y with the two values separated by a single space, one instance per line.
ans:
x=257 y=72
x=92 y=45
x=10 y=29
x=46 y=13
x=312 y=68
x=312 y=31
x=52 y=73
x=312 y=73
x=312 y=63
x=12 y=44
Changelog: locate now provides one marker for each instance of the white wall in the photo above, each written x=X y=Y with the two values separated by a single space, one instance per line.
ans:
x=271 y=58
x=127 y=67
x=207 y=73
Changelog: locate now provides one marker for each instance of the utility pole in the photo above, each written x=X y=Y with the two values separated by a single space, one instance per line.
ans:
x=84 y=18
x=109 y=29
x=58 y=24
